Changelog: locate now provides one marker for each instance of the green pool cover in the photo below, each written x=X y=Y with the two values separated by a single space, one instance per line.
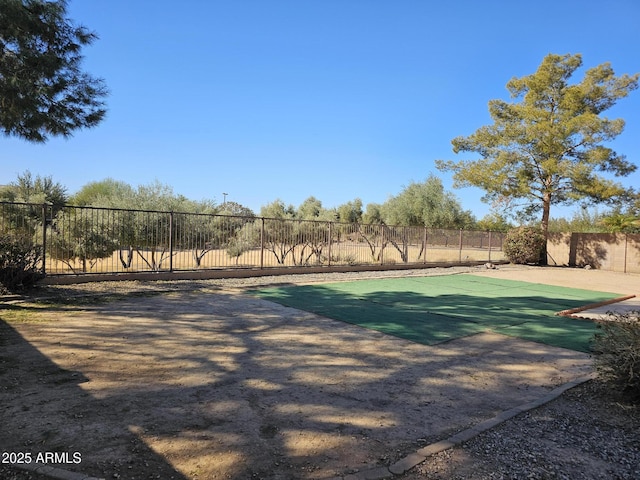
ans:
x=435 y=309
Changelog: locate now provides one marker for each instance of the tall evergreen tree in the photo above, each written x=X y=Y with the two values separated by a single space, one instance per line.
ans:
x=549 y=146
x=43 y=90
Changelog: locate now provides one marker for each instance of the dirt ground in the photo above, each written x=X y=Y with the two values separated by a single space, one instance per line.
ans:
x=211 y=383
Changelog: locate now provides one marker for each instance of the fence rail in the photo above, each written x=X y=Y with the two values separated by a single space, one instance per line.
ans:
x=81 y=240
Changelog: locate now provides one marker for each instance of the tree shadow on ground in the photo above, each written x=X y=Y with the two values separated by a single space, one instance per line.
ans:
x=431 y=317
x=233 y=386
x=45 y=409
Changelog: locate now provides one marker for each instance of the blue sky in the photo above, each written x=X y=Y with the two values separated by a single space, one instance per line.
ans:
x=267 y=99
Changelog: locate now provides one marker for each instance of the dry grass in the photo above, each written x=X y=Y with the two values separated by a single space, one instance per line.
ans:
x=344 y=253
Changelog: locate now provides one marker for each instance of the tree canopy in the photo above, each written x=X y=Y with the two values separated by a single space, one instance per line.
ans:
x=235 y=208
x=110 y=193
x=350 y=212
x=278 y=210
x=30 y=189
x=549 y=146
x=426 y=204
x=100 y=193
x=43 y=90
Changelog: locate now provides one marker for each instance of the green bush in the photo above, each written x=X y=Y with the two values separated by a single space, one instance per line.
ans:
x=237 y=246
x=524 y=245
x=20 y=262
x=617 y=348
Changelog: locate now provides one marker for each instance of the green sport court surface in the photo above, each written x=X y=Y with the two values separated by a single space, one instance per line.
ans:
x=435 y=309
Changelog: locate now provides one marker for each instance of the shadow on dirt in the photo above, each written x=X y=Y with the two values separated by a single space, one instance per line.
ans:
x=434 y=317
x=45 y=410
x=203 y=385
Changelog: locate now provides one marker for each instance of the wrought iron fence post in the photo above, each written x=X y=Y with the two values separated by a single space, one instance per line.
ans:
x=44 y=238
x=329 y=246
x=171 y=241
x=424 y=252
x=262 y=243
x=489 y=245
x=626 y=241
x=405 y=240
x=460 y=248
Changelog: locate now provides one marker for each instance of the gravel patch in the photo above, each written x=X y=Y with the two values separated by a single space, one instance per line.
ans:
x=587 y=433
x=142 y=286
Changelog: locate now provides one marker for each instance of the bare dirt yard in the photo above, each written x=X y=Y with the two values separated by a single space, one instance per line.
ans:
x=200 y=380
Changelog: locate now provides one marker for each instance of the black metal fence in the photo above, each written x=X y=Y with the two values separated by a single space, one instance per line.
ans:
x=79 y=240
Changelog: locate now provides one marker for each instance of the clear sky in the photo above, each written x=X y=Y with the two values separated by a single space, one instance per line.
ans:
x=268 y=99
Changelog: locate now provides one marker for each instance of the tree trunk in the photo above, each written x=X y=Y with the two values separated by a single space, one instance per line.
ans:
x=546 y=208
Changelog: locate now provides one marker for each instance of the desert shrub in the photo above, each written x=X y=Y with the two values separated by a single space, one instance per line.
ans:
x=345 y=259
x=617 y=348
x=523 y=245
x=19 y=262
x=237 y=246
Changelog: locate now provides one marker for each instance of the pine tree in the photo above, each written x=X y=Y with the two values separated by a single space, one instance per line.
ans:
x=43 y=91
x=549 y=146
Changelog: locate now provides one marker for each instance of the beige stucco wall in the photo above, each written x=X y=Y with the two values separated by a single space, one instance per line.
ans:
x=616 y=252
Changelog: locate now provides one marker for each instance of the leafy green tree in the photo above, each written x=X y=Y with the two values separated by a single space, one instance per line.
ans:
x=43 y=90
x=102 y=193
x=300 y=233
x=278 y=237
x=625 y=216
x=30 y=189
x=312 y=232
x=310 y=209
x=144 y=228
x=494 y=222
x=369 y=229
x=621 y=222
x=582 y=221
x=245 y=239
x=426 y=204
x=278 y=209
x=373 y=214
x=81 y=236
x=240 y=244
x=236 y=209
x=36 y=191
x=156 y=196
x=348 y=217
x=350 y=212
x=21 y=225
x=151 y=227
x=418 y=204
x=549 y=145
x=223 y=231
